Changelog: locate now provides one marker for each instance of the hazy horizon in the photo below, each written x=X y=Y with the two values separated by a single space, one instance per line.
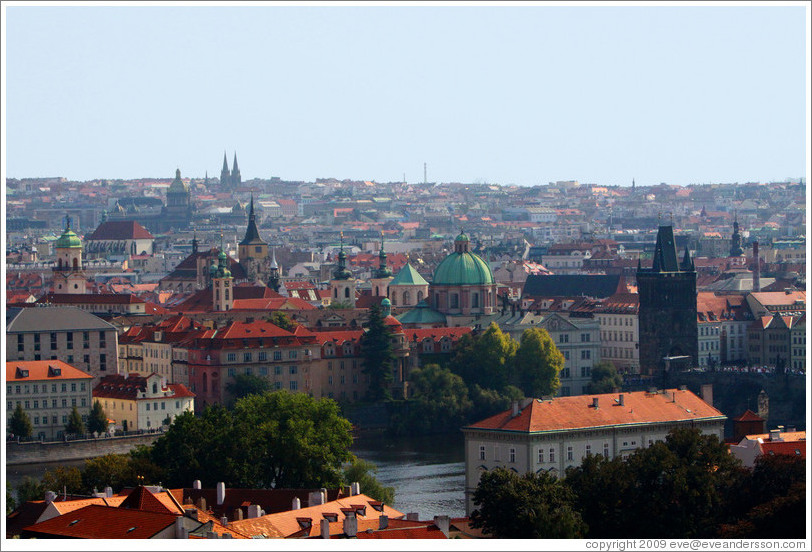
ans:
x=521 y=95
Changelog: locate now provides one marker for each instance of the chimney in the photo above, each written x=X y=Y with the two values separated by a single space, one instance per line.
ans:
x=296 y=504
x=190 y=513
x=224 y=521
x=314 y=498
x=594 y=402
x=196 y=482
x=412 y=516
x=108 y=492
x=253 y=511
x=756 y=268
x=706 y=393
x=50 y=496
x=180 y=530
x=355 y=488
x=683 y=387
x=515 y=409
x=775 y=434
x=202 y=503
x=525 y=402
x=383 y=522
x=443 y=523
x=350 y=525
x=620 y=399
x=221 y=493
x=238 y=514
x=325 y=528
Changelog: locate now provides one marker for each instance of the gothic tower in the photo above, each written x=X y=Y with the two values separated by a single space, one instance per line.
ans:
x=252 y=246
x=273 y=278
x=667 y=308
x=225 y=176
x=343 y=284
x=736 y=240
x=68 y=274
x=236 y=179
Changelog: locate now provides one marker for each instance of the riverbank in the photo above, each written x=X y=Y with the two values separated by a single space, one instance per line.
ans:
x=64 y=451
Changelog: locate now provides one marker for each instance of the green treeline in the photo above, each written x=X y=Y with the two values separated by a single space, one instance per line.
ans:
x=689 y=486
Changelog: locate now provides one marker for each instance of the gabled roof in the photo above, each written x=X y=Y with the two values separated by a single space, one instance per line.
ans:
x=422 y=314
x=120 y=230
x=103 y=522
x=569 y=413
x=143 y=499
x=785 y=448
x=748 y=416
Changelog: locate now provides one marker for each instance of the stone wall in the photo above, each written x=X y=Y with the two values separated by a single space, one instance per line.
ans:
x=59 y=451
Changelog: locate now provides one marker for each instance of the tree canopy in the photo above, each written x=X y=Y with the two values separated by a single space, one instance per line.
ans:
x=538 y=363
x=440 y=399
x=75 y=424
x=378 y=355
x=363 y=472
x=19 y=424
x=277 y=439
x=529 y=506
x=97 y=421
x=247 y=384
x=605 y=378
x=282 y=320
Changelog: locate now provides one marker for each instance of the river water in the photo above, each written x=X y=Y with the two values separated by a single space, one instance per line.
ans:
x=426 y=472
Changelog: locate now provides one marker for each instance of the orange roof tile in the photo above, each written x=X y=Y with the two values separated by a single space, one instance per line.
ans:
x=567 y=413
x=33 y=370
x=104 y=522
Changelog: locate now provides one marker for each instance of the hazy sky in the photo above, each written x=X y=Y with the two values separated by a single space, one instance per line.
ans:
x=522 y=95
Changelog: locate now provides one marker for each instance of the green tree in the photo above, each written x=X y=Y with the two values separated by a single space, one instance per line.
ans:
x=30 y=489
x=62 y=479
x=247 y=384
x=97 y=421
x=282 y=320
x=378 y=356
x=290 y=440
x=531 y=506
x=605 y=378
x=278 y=439
x=440 y=399
x=538 y=363
x=363 y=472
x=197 y=447
x=11 y=504
x=487 y=402
x=20 y=424
x=75 y=424
x=486 y=360
x=338 y=305
x=110 y=470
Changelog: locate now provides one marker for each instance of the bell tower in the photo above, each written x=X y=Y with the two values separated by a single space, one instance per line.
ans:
x=342 y=285
x=68 y=274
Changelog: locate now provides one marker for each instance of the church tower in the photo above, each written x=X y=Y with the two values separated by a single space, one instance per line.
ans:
x=225 y=175
x=274 y=276
x=382 y=275
x=736 y=240
x=343 y=284
x=221 y=281
x=252 y=246
x=236 y=179
x=68 y=274
x=667 y=307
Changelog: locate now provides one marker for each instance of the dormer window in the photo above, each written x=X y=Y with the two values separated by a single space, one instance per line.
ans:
x=21 y=373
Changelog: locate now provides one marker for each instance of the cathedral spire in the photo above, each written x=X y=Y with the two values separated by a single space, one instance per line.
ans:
x=225 y=175
x=236 y=179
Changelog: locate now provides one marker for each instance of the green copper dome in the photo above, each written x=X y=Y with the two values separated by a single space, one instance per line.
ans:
x=68 y=239
x=462 y=268
x=177 y=185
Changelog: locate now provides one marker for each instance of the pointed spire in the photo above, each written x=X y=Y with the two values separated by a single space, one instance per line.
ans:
x=383 y=270
x=274 y=264
x=234 y=167
x=687 y=262
x=225 y=161
x=194 y=242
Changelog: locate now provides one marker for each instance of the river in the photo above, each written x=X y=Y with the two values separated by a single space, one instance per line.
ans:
x=426 y=472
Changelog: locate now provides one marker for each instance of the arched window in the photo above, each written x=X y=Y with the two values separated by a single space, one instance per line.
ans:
x=377 y=290
x=60 y=264
x=346 y=293
x=75 y=262
x=455 y=301
x=475 y=300
x=406 y=298
x=419 y=296
x=154 y=388
x=205 y=382
x=335 y=293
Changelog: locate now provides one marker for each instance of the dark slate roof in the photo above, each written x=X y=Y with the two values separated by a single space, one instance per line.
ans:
x=45 y=319
x=187 y=268
x=665 y=251
x=570 y=285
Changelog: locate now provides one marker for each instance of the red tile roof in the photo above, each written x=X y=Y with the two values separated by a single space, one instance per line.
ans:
x=42 y=370
x=568 y=413
x=91 y=298
x=786 y=448
x=103 y=522
x=748 y=416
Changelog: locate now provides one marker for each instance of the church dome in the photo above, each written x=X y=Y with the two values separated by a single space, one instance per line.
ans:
x=462 y=268
x=178 y=186
x=68 y=239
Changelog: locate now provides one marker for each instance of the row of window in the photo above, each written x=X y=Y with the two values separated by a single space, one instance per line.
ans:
x=549 y=454
x=54 y=420
x=615 y=321
x=262 y=356
x=34 y=389
x=11 y=405
x=70 y=360
x=617 y=336
x=102 y=340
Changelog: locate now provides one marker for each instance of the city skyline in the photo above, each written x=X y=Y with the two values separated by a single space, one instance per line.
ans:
x=510 y=95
